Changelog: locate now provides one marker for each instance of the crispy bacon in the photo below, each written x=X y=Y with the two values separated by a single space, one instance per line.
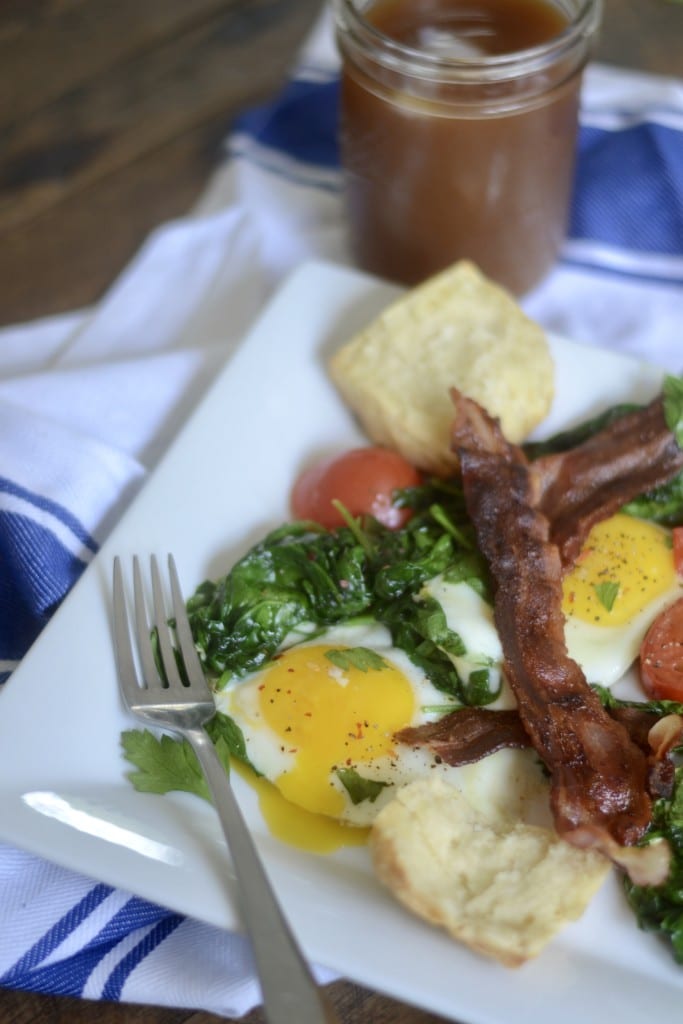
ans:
x=468 y=735
x=663 y=738
x=598 y=775
x=579 y=487
x=473 y=733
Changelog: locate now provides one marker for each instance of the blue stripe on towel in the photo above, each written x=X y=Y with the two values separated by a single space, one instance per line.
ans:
x=37 y=573
x=53 y=508
x=56 y=935
x=70 y=975
x=629 y=188
x=43 y=551
x=117 y=979
x=302 y=123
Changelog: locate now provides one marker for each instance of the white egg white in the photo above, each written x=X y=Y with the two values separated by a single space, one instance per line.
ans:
x=471 y=617
x=605 y=653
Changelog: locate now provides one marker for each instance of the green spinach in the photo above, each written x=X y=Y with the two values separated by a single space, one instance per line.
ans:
x=358 y=787
x=659 y=908
x=302 y=578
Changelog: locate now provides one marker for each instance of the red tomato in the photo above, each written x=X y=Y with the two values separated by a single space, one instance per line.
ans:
x=661 y=655
x=362 y=479
x=677 y=534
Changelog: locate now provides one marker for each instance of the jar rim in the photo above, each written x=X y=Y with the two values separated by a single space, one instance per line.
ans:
x=494 y=67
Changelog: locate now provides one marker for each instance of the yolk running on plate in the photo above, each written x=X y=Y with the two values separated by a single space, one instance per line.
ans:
x=317 y=833
x=329 y=718
x=624 y=565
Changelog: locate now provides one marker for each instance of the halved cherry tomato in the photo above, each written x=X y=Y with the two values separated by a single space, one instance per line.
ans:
x=362 y=479
x=661 y=655
x=677 y=534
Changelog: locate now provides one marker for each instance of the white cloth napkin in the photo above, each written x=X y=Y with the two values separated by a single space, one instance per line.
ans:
x=89 y=401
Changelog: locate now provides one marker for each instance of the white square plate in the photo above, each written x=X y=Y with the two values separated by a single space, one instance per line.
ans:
x=223 y=484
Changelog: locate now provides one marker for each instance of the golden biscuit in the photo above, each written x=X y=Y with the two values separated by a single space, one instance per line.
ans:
x=501 y=887
x=456 y=330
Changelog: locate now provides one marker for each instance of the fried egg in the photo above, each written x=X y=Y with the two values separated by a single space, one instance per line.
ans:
x=318 y=723
x=623 y=578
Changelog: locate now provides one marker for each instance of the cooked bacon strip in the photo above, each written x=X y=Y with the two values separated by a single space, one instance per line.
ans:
x=638 y=722
x=663 y=737
x=645 y=729
x=586 y=484
x=468 y=734
x=473 y=733
x=645 y=865
x=598 y=775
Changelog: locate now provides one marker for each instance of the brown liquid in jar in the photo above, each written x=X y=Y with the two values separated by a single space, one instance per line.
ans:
x=431 y=180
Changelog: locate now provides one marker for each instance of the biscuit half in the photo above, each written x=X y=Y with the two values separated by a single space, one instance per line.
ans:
x=458 y=329
x=501 y=887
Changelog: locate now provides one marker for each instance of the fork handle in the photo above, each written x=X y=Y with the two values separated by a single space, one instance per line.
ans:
x=290 y=992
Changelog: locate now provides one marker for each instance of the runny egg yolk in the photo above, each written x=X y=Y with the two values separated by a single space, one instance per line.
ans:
x=317 y=833
x=624 y=565
x=330 y=715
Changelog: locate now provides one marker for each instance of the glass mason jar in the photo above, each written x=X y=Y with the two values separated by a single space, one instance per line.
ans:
x=453 y=151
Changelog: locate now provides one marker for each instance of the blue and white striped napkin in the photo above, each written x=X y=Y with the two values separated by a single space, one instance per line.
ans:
x=89 y=401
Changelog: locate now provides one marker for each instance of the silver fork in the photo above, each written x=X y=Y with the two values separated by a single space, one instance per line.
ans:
x=290 y=992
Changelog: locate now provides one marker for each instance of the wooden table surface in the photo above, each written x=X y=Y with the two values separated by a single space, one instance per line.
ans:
x=112 y=114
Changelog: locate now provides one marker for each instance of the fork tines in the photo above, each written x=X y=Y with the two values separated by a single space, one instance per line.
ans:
x=166 y=653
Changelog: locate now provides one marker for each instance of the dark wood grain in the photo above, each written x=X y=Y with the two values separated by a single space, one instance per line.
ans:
x=643 y=34
x=112 y=114
x=67 y=256
x=116 y=126
x=76 y=42
x=89 y=133
x=354 y=1005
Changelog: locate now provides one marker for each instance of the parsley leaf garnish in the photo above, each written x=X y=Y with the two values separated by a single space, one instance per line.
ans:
x=358 y=788
x=607 y=593
x=361 y=658
x=164 y=764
